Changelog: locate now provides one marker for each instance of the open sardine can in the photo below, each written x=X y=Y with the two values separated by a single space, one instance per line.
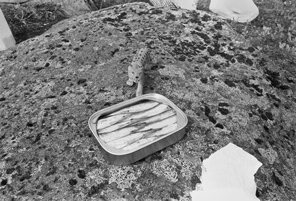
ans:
x=136 y=128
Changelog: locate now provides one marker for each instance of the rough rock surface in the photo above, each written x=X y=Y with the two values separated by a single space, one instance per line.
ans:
x=51 y=84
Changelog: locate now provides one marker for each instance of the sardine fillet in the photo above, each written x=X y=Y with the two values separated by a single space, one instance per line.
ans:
x=160 y=124
x=127 y=140
x=117 y=134
x=107 y=137
x=138 y=122
x=108 y=121
x=136 y=108
x=130 y=140
x=154 y=111
x=137 y=125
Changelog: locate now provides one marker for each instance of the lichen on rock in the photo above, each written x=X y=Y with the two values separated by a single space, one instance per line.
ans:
x=51 y=84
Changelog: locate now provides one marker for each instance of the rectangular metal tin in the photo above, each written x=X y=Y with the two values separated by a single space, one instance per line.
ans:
x=122 y=157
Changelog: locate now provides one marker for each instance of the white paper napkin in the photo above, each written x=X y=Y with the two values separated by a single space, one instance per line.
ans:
x=228 y=175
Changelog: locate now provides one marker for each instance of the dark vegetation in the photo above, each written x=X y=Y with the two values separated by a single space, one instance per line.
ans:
x=29 y=20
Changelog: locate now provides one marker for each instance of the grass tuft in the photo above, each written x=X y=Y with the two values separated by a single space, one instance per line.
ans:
x=71 y=7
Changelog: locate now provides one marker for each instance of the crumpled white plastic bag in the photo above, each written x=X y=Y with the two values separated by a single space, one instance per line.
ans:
x=6 y=38
x=228 y=175
x=237 y=10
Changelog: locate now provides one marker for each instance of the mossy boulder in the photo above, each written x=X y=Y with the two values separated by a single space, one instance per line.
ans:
x=51 y=84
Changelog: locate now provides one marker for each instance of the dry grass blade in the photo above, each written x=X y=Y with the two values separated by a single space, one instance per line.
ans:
x=71 y=7
x=164 y=3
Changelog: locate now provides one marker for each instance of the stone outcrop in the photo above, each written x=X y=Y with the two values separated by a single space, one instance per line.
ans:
x=51 y=84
